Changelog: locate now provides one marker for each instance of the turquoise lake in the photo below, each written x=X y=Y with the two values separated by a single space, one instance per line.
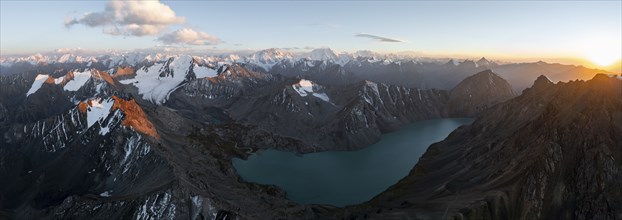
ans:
x=343 y=178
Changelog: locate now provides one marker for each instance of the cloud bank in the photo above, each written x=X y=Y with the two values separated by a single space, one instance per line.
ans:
x=130 y=18
x=188 y=36
x=143 y=18
x=379 y=38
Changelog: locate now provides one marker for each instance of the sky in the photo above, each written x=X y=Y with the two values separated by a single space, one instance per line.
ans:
x=534 y=30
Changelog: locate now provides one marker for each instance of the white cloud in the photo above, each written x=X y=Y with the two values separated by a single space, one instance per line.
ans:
x=188 y=36
x=132 y=18
x=379 y=38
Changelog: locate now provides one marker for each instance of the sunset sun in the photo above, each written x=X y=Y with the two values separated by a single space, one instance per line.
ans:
x=603 y=58
x=602 y=50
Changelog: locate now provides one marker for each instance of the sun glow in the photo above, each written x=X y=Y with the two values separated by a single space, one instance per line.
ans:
x=603 y=58
x=603 y=50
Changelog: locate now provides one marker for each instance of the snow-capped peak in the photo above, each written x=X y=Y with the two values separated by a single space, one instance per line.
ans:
x=158 y=81
x=269 y=57
x=321 y=54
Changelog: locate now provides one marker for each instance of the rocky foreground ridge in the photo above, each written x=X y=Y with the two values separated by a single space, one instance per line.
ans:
x=552 y=153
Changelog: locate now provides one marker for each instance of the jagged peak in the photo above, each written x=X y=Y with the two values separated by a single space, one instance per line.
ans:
x=542 y=80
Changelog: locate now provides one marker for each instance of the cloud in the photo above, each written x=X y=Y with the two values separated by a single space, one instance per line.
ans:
x=130 y=18
x=188 y=36
x=379 y=38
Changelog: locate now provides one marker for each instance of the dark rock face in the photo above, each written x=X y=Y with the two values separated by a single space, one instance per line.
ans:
x=380 y=108
x=341 y=117
x=54 y=168
x=477 y=93
x=550 y=153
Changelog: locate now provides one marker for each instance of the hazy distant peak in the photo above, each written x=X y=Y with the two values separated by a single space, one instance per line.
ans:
x=365 y=54
x=270 y=55
x=468 y=63
x=452 y=62
x=485 y=63
x=272 y=52
x=322 y=54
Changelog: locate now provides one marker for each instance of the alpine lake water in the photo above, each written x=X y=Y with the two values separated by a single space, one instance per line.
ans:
x=342 y=178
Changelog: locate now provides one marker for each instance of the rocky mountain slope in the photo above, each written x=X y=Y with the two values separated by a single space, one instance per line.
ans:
x=552 y=152
x=477 y=93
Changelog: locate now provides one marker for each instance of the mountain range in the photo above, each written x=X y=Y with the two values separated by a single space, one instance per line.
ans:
x=152 y=136
x=404 y=70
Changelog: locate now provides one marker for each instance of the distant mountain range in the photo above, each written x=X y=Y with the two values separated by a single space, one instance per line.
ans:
x=404 y=70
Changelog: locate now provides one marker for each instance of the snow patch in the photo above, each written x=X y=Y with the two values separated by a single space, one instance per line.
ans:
x=305 y=87
x=59 y=80
x=36 y=85
x=104 y=131
x=105 y=194
x=98 y=111
x=204 y=72
x=322 y=96
x=79 y=79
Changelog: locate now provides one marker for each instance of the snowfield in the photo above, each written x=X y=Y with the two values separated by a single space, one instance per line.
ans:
x=36 y=85
x=155 y=88
x=79 y=79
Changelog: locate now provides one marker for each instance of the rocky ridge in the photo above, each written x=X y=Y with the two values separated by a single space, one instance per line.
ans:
x=537 y=156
